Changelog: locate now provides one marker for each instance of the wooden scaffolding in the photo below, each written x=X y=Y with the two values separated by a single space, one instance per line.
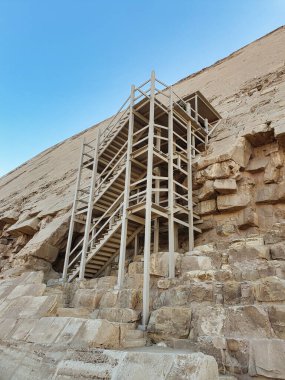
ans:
x=135 y=183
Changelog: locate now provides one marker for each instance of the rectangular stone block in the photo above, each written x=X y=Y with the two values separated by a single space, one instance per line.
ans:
x=97 y=333
x=207 y=207
x=27 y=290
x=225 y=186
x=233 y=202
x=47 y=330
x=66 y=336
x=6 y=327
x=23 y=328
x=266 y=358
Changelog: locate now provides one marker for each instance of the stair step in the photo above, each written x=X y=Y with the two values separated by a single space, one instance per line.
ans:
x=134 y=343
x=134 y=334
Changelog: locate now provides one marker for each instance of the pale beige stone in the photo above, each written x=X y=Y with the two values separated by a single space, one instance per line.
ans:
x=270 y=289
x=278 y=251
x=123 y=315
x=109 y=299
x=159 y=263
x=97 y=333
x=225 y=186
x=217 y=170
x=207 y=207
x=23 y=328
x=257 y=164
x=207 y=191
x=160 y=366
x=27 y=290
x=233 y=202
x=189 y=263
x=266 y=358
x=47 y=329
x=28 y=227
x=80 y=312
x=88 y=298
x=6 y=327
x=170 y=321
x=128 y=298
x=277 y=319
x=271 y=174
x=135 y=268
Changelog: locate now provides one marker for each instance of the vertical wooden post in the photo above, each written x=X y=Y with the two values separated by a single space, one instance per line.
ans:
x=123 y=244
x=171 y=234
x=147 y=237
x=71 y=226
x=90 y=208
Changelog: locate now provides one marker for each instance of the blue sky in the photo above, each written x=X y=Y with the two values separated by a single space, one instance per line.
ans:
x=67 y=64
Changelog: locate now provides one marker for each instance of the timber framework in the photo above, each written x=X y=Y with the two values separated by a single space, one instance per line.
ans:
x=134 y=184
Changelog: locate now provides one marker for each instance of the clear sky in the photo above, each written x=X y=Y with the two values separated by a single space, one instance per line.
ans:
x=67 y=64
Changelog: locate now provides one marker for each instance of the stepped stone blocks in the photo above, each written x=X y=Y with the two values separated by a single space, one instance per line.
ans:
x=225 y=305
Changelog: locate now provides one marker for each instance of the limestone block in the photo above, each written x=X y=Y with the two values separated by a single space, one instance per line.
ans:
x=23 y=328
x=27 y=290
x=29 y=307
x=205 y=248
x=257 y=164
x=106 y=282
x=259 y=134
x=171 y=366
x=210 y=320
x=207 y=207
x=88 y=298
x=207 y=191
x=170 y=321
x=267 y=194
x=241 y=152
x=134 y=281
x=123 y=315
x=271 y=174
x=47 y=330
x=109 y=299
x=247 y=218
x=69 y=331
x=159 y=263
x=80 y=312
x=218 y=170
x=231 y=293
x=277 y=159
x=31 y=278
x=266 y=358
x=127 y=298
x=279 y=132
x=277 y=319
x=97 y=333
x=247 y=322
x=246 y=253
x=51 y=235
x=225 y=186
x=6 y=327
x=233 y=202
x=269 y=289
x=135 y=268
x=195 y=263
x=278 y=251
x=28 y=227
x=9 y=217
